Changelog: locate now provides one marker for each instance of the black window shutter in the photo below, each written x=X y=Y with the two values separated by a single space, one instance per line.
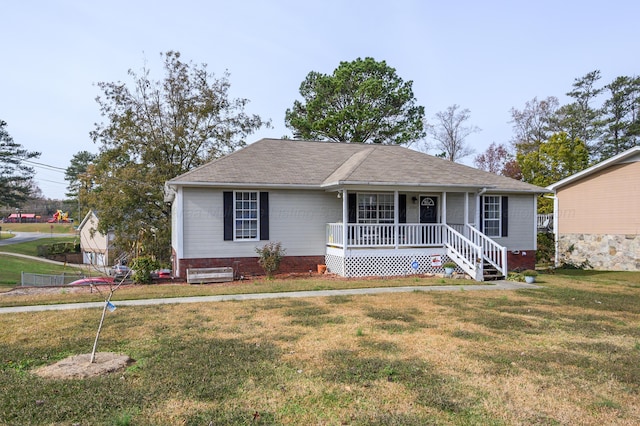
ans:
x=505 y=216
x=481 y=215
x=264 y=215
x=352 y=205
x=402 y=208
x=227 y=197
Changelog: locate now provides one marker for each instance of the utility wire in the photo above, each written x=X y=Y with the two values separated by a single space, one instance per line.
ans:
x=46 y=166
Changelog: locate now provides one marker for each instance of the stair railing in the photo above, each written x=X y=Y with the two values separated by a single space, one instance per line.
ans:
x=464 y=252
x=492 y=252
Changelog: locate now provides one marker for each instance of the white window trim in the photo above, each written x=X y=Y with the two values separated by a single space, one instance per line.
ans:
x=377 y=194
x=257 y=237
x=484 y=220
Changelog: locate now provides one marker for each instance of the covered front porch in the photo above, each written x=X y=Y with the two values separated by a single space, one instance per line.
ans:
x=377 y=236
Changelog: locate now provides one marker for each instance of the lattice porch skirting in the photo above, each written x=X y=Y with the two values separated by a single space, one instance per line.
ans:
x=371 y=262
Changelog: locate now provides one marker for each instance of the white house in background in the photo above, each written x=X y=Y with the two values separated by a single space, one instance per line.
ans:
x=597 y=214
x=363 y=210
x=97 y=248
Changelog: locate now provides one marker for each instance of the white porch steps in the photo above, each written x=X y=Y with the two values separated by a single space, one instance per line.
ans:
x=479 y=256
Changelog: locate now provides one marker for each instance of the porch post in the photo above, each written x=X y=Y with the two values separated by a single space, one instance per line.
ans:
x=444 y=207
x=478 y=214
x=345 y=222
x=396 y=214
x=466 y=209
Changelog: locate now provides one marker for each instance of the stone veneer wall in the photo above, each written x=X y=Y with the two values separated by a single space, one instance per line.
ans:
x=601 y=251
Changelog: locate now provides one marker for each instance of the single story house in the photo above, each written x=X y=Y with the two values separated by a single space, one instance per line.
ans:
x=597 y=214
x=359 y=209
x=97 y=248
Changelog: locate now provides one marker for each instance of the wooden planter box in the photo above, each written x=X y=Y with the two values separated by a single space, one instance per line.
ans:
x=209 y=275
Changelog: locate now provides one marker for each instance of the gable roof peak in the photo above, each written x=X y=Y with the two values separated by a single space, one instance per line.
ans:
x=318 y=164
x=630 y=155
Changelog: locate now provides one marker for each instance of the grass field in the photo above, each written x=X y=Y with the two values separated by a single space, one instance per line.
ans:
x=45 y=228
x=11 y=267
x=567 y=353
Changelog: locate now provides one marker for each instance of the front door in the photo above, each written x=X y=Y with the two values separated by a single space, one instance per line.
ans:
x=428 y=209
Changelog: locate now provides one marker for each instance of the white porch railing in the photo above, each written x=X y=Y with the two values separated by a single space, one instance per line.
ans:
x=385 y=235
x=335 y=237
x=467 y=246
x=420 y=235
x=545 y=221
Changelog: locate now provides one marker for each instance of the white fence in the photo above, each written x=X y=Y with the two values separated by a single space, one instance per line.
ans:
x=43 y=280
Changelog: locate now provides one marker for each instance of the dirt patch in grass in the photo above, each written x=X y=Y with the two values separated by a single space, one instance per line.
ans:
x=29 y=291
x=80 y=367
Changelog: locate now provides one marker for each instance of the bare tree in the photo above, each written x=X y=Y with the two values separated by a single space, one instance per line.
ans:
x=531 y=125
x=107 y=306
x=493 y=159
x=450 y=132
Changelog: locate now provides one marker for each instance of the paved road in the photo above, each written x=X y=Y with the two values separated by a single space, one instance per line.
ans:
x=496 y=285
x=23 y=237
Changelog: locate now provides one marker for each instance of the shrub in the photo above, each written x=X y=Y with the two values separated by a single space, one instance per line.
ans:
x=142 y=267
x=579 y=266
x=58 y=248
x=546 y=248
x=271 y=255
x=530 y=273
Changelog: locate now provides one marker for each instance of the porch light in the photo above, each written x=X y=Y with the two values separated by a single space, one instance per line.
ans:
x=339 y=194
x=414 y=199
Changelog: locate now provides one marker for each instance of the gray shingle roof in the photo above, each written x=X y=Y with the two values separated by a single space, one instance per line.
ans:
x=275 y=162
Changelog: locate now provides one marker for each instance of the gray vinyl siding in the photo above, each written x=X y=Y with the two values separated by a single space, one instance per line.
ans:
x=455 y=208
x=521 y=235
x=297 y=219
x=202 y=221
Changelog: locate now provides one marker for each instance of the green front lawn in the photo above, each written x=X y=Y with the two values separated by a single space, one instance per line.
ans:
x=11 y=268
x=45 y=228
x=31 y=247
x=566 y=353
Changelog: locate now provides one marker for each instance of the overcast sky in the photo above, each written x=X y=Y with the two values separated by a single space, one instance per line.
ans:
x=487 y=56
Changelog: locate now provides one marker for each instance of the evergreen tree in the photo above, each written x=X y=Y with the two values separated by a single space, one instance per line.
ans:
x=16 y=183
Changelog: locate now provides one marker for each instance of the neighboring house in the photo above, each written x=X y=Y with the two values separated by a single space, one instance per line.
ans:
x=363 y=210
x=97 y=248
x=597 y=214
